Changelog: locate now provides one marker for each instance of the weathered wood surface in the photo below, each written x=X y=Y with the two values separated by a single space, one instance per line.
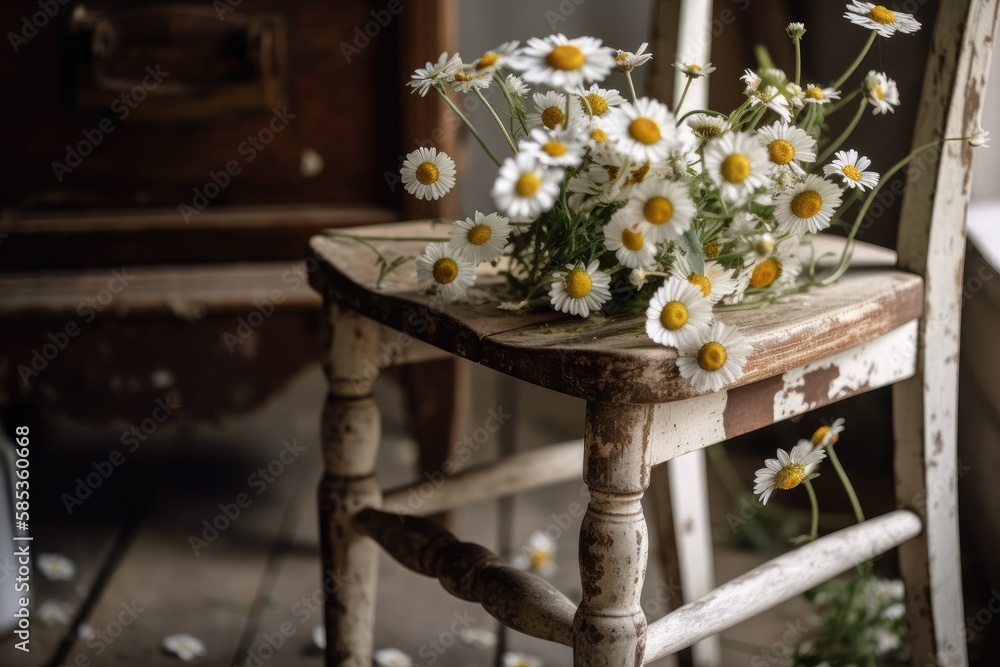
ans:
x=779 y=580
x=471 y=572
x=932 y=245
x=608 y=359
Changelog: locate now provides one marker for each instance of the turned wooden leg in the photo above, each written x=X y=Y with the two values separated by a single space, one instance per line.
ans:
x=350 y=434
x=609 y=629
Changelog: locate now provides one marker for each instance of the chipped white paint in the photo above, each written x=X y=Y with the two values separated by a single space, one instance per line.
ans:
x=877 y=363
x=685 y=426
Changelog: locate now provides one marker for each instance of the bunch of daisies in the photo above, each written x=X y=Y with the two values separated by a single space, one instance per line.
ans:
x=610 y=203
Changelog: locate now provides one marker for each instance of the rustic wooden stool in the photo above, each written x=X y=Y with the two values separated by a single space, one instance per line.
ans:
x=889 y=320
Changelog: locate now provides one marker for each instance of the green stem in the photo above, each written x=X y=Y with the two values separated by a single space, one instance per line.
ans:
x=857 y=61
x=798 y=61
x=496 y=118
x=836 y=143
x=848 y=487
x=814 y=506
x=512 y=107
x=684 y=94
x=631 y=87
x=468 y=124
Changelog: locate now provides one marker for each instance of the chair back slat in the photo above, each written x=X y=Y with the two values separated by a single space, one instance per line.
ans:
x=682 y=30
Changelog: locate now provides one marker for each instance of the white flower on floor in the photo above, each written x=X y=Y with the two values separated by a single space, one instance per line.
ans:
x=631 y=246
x=428 y=174
x=515 y=659
x=738 y=164
x=713 y=358
x=482 y=238
x=980 y=138
x=644 y=131
x=183 y=646
x=85 y=631
x=432 y=74
x=55 y=567
x=478 y=638
x=881 y=92
x=850 y=166
x=449 y=271
x=537 y=555
x=319 y=637
x=563 y=63
x=626 y=61
x=663 y=208
x=525 y=188
x=391 y=657
x=677 y=312
x=880 y=18
x=787 y=145
x=788 y=470
x=826 y=436
x=580 y=290
x=53 y=613
x=807 y=206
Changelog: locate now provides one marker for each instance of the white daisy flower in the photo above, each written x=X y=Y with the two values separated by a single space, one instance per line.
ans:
x=807 y=206
x=496 y=58
x=880 y=18
x=644 y=131
x=788 y=470
x=580 y=289
x=743 y=224
x=677 y=312
x=777 y=268
x=469 y=78
x=825 y=436
x=885 y=640
x=428 y=174
x=708 y=126
x=525 y=188
x=694 y=70
x=432 y=74
x=881 y=92
x=482 y=238
x=55 y=567
x=447 y=270
x=319 y=636
x=787 y=145
x=738 y=164
x=774 y=100
x=554 y=148
x=391 y=657
x=563 y=63
x=715 y=281
x=631 y=246
x=850 y=166
x=665 y=208
x=795 y=30
x=53 y=613
x=713 y=358
x=816 y=94
x=598 y=102
x=980 y=138
x=796 y=96
x=185 y=647
x=597 y=139
x=478 y=638
x=626 y=61
x=515 y=659
x=537 y=555
x=752 y=81
x=550 y=111
x=516 y=85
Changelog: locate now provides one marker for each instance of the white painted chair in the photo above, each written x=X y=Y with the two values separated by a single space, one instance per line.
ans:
x=879 y=325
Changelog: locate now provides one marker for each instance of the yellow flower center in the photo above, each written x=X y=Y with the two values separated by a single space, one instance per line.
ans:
x=599 y=135
x=821 y=433
x=815 y=93
x=711 y=249
x=806 y=204
x=851 y=172
x=578 y=284
x=479 y=234
x=703 y=282
x=658 y=210
x=712 y=356
x=427 y=173
x=488 y=60
x=882 y=15
x=645 y=131
x=780 y=151
x=736 y=168
x=445 y=270
x=790 y=476
x=598 y=105
x=639 y=174
x=462 y=76
x=553 y=117
x=765 y=273
x=566 y=57
x=632 y=240
x=555 y=148
x=528 y=184
x=693 y=68
x=622 y=55
x=539 y=559
x=674 y=315
x=879 y=93
x=709 y=130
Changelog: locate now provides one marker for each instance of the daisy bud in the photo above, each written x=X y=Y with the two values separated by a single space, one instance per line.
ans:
x=637 y=278
x=980 y=138
x=796 y=30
